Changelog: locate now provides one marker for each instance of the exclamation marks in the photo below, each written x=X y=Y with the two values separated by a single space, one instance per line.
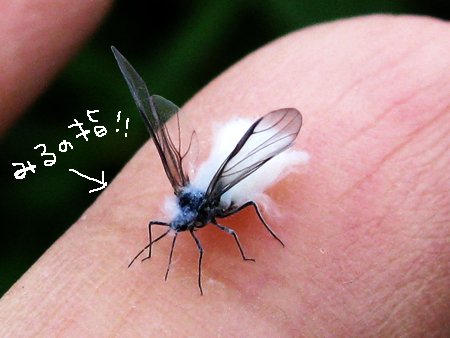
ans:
x=126 y=126
x=118 y=120
x=127 y=120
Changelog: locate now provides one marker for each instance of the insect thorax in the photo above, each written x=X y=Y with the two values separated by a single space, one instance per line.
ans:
x=192 y=211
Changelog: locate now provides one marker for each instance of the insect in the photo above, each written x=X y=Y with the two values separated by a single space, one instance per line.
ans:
x=214 y=193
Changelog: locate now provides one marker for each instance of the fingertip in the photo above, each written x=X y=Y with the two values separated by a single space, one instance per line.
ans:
x=39 y=38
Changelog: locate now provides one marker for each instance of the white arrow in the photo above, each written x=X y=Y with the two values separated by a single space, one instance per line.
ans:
x=102 y=182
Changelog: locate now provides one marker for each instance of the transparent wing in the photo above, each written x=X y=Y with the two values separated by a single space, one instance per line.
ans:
x=175 y=147
x=266 y=138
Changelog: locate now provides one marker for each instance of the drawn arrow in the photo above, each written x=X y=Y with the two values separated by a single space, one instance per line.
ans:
x=102 y=182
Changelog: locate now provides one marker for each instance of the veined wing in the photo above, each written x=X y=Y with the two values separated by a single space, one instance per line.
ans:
x=266 y=138
x=173 y=146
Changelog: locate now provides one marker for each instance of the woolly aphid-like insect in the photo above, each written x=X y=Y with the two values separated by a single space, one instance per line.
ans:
x=225 y=183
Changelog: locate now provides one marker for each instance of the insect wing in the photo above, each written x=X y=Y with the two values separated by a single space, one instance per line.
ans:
x=266 y=138
x=177 y=138
x=176 y=148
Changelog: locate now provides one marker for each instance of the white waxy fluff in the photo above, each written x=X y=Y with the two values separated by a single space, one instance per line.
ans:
x=170 y=207
x=255 y=184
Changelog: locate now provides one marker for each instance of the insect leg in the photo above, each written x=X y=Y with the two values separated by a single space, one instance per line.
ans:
x=148 y=246
x=170 y=256
x=200 y=250
x=261 y=218
x=150 y=236
x=236 y=238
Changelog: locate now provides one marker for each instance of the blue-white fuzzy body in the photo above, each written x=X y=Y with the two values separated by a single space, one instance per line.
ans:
x=187 y=205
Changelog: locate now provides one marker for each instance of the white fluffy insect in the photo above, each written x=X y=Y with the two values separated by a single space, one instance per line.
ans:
x=235 y=173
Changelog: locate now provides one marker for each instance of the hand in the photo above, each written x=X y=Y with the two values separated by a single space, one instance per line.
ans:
x=366 y=225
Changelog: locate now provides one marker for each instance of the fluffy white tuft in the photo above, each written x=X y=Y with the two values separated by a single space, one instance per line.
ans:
x=226 y=139
x=170 y=207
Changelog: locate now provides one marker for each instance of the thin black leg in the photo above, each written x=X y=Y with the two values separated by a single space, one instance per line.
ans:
x=200 y=250
x=150 y=236
x=149 y=245
x=261 y=218
x=236 y=238
x=170 y=255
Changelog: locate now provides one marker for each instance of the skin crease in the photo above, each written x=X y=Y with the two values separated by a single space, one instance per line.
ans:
x=366 y=223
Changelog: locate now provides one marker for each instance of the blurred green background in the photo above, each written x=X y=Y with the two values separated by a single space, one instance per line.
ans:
x=178 y=48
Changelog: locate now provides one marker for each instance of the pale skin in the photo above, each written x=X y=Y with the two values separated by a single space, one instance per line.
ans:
x=366 y=223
